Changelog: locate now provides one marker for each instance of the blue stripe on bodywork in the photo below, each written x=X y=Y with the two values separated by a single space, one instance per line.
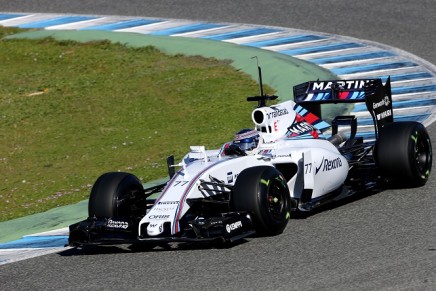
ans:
x=187 y=28
x=373 y=67
x=300 y=110
x=240 y=33
x=320 y=49
x=284 y=40
x=350 y=57
x=357 y=95
x=320 y=124
x=10 y=16
x=56 y=21
x=320 y=96
x=122 y=24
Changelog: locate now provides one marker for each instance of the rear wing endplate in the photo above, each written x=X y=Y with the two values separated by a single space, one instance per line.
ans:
x=378 y=97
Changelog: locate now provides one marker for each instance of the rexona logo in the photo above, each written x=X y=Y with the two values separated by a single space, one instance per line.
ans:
x=231 y=227
x=117 y=224
x=328 y=165
x=347 y=85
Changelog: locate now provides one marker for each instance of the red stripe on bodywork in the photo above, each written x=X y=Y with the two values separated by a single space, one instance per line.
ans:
x=343 y=95
x=311 y=118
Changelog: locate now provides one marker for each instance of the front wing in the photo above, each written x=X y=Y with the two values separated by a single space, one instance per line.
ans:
x=110 y=231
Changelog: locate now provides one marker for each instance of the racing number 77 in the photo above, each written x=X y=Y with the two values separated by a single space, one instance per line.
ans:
x=308 y=168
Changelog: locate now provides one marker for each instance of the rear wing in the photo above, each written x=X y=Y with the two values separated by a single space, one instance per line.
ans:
x=378 y=97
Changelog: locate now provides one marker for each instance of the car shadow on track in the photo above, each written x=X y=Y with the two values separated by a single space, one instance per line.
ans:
x=142 y=247
x=335 y=204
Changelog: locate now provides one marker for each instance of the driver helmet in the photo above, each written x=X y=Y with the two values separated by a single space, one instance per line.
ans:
x=246 y=139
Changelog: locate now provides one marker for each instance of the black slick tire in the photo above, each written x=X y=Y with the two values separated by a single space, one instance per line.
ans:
x=262 y=192
x=403 y=153
x=114 y=194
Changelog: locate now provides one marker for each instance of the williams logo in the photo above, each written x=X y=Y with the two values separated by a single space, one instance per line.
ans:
x=327 y=165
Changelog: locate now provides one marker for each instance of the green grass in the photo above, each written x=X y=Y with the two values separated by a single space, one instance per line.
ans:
x=72 y=111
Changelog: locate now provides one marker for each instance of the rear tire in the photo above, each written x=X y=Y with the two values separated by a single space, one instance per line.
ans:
x=115 y=194
x=403 y=153
x=262 y=192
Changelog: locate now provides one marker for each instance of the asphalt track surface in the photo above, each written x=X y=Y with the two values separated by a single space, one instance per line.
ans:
x=383 y=241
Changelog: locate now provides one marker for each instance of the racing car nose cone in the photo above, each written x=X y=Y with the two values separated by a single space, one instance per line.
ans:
x=154 y=229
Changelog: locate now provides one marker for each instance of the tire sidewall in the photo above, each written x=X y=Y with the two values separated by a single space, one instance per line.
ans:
x=395 y=153
x=110 y=195
x=269 y=179
x=251 y=194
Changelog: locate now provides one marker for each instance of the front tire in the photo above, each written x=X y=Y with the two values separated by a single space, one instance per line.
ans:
x=116 y=194
x=403 y=152
x=262 y=192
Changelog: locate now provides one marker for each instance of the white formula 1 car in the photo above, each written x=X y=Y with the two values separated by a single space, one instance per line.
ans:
x=228 y=194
